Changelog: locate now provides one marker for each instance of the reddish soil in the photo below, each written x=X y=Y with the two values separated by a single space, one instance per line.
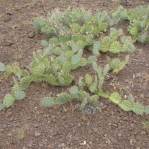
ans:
x=27 y=125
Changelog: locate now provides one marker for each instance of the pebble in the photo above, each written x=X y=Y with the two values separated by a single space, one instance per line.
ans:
x=61 y=145
x=132 y=141
x=31 y=35
x=41 y=144
x=9 y=134
x=143 y=132
x=36 y=125
x=119 y=134
x=37 y=134
x=8 y=43
x=83 y=143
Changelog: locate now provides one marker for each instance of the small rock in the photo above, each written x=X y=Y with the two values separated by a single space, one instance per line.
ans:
x=9 y=134
x=31 y=35
x=119 y=134
x=143 y=132
x=9 y=13
x=37 y=134
x=134 y=76
x=36 y=125
x=83 y=143
x=142 y=95
x=61 y=145
x=8 y=43
x=139 y=75
x=41 y=144
x=132 y=141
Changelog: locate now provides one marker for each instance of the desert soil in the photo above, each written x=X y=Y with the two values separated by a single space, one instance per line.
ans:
x=27 y=125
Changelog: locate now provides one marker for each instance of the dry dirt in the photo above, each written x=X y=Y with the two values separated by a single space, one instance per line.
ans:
x=26 y=125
